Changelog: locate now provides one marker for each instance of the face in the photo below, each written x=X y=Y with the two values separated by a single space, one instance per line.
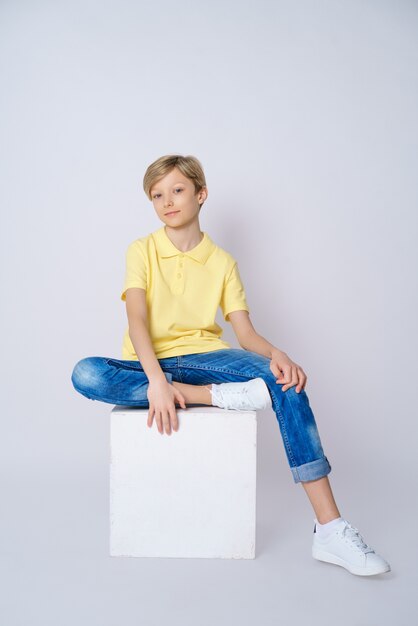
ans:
x=175 y=200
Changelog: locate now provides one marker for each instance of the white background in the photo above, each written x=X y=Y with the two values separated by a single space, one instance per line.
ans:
x=304 y=116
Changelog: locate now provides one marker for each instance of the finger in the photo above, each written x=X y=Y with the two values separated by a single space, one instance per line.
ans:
x=293 y=379
x=166 y=420
x=302 y=380
x=295 y=376
x=159 y=422
x=298 y=378
x=150 y=416
x=287 y=375
x=174 y=419
x=281 y=371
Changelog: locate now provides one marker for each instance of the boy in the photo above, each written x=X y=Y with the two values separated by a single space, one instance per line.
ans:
x=173 y=353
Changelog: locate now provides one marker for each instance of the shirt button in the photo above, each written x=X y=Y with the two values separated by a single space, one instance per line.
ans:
x=181 y=264
x=178 y=275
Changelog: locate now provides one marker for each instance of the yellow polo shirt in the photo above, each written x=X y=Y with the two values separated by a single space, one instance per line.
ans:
x=183 y=293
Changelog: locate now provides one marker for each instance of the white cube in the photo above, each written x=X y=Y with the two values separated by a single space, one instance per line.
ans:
x=189 y=494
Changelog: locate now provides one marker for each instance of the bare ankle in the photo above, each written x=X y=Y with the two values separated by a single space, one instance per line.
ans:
x=324 y=519
x=209 y=388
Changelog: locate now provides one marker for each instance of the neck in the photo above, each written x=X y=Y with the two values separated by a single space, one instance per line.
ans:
x=186 y=237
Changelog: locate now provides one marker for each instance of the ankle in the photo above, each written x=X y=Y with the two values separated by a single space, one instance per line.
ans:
x=209 y=388
x=324 y=519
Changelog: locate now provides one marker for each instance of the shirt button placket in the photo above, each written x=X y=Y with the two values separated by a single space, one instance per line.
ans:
x=180 y=274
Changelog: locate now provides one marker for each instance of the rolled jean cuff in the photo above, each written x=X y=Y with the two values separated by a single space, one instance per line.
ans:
x=311 y=471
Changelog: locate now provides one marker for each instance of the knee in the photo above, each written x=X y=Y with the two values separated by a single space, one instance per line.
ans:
x=276 y=388
x=297 y=400
x=269 y=378
x=85 y=374
x=264 y=372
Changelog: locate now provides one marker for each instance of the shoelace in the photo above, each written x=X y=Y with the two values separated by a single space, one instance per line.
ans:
x=353 y=534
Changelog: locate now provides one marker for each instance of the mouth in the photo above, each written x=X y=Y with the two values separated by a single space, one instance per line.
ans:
x=171 y=213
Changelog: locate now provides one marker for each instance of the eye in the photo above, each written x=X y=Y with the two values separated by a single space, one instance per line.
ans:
x=179 y=189
x=156 y=195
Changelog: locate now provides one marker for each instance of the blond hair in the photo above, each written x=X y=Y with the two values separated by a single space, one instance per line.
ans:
x=189 y=166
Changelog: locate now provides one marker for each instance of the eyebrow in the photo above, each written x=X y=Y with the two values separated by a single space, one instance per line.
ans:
x=157 y=188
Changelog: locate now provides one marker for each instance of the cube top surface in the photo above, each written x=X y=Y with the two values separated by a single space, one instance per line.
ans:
x=190 y=409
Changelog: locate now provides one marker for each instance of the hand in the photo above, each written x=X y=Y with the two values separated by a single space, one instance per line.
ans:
x=161 y=397
x=288 y=373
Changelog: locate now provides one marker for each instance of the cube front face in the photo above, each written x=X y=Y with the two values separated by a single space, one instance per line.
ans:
x=190 y=494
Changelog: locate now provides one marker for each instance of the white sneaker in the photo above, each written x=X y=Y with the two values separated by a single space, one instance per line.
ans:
x=346 y=547
x=248 y=396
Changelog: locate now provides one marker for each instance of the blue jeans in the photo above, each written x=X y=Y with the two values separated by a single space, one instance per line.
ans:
x=125 y=382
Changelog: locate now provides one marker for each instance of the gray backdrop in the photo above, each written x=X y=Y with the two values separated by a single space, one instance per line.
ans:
x=304 y=115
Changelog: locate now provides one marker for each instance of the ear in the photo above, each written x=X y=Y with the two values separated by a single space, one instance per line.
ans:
x=203 y=194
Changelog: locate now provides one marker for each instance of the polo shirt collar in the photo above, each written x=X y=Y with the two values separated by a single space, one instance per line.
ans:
x=166 y=248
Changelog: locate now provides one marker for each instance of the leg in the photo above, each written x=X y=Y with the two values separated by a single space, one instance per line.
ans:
x=125 y=382
x=194 y=394
x=293 y=412
x=322 y=499
x=112 y=380
x=297 y=423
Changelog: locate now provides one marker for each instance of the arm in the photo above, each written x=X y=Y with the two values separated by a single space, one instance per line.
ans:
x=247 y=336
x=161 y=395
x=288 y=372
x=136 y=310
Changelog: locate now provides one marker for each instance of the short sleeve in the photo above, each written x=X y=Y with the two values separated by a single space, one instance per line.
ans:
x=233 y=296
x=136 y=268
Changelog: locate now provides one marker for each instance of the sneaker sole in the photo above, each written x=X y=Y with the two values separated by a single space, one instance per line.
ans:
x=327 y=557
